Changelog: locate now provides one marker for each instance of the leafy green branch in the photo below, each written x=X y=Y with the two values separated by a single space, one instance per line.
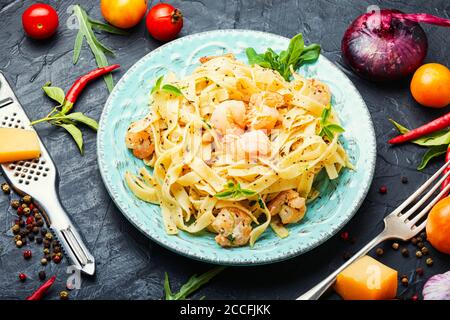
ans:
x=328 y=129
x=167 y=88
x=234 y=191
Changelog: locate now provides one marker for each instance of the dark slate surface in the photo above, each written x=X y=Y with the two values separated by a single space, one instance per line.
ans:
x=129 y=266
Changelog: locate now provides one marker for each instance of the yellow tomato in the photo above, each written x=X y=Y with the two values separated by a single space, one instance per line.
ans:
x=438 y=226
x=430 y=85
x=123 y=13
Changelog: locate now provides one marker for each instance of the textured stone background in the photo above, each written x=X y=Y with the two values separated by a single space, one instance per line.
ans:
x=129 y=266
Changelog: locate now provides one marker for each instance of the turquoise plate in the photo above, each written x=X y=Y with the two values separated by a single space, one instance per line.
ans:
x=339 y=200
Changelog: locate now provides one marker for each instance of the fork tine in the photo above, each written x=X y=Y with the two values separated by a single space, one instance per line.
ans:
x=420 y=190
x=408 y=213
x=425 y=210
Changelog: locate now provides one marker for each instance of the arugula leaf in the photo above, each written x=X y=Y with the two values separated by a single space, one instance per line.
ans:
x=431 y=153
x=171 y=89
x=193 y=284
x=157 y=85
x=234 y=191
x=97 y=48
x=54 y=93
x=77 y=46
x=98 y=25
x=295 y=55
x=75 y=133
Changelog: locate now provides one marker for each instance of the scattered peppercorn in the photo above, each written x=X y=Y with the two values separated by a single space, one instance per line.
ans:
x=29 y=227
x=56 y=249
x=423 y=235
x=43 y=231
x=419 y=239
x=46 y=243
x=35 y=230
x=48 y=236
x=19 y=211
x=36 y=215
x=42 y=275
x=39 y=222
x=405 y=281
x=15 y=229
x=15 y=204
x=6 y=188
x=19 y=243
x=24 y=240
x=415 y=297
x=44 y=261
x=420 y=245
x=379 y=251
x=26 y=211
x=17 y=237
x=404 y=180
x=414 y=241
x=31 y=237
x=346 y=256
x=429 y=262
x=39 y=240
x=405 y=252
x=24 y=205
x=64 y=295
x=419 y=272
x=30 y=220
x=419 y=254
x=23 y=233
x=56 y=259
x=425 y=250
x=31 y=206
x=22 y=277
x=344 y=235
x=395 y=246
x=26 y=199
x=46 y=251
x=48 y=257
x=27 y=254
x=21 y=223
x=382 y=189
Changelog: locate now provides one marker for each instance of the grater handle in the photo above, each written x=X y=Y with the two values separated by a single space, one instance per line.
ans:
x=67 y=235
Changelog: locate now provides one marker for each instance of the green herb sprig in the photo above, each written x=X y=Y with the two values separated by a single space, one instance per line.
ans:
x=234 y=191
x=167 y=88
x=296 y=55
x=99 y=50
x=436 y=142
x=68 y=121
x=193 y=284
x=328 y=129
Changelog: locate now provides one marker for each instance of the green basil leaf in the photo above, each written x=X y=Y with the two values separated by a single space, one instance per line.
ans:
x=430 y=154
x=434 y=139
x=98 y=52
x=171 y=89
x=54 y=93
x=227 y=194
x=254 y=58
x=77 y=47
x=194 y=283
x=157 y=85
x=98 y=25
x=311 y=53
x=295 y=49
x=324 y=116
x=247 y=192
x=80 y=117
x=335 y=128
x=75 y=133
x=326 y=132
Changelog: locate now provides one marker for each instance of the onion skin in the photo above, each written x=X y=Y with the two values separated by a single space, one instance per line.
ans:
x=385 y=51
x=437 y=287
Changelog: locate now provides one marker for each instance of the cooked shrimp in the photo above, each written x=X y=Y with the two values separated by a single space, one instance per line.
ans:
x=233 y=227
x=229 y=117
x=289 y=206
x=263 y=113
x=138 y=140
x=207 y=58
x=255 y=143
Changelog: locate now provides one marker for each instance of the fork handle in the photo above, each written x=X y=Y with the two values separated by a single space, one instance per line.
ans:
x=315 y=292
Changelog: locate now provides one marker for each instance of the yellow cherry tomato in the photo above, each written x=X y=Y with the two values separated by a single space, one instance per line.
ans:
x=430 y=85
x=123 y=13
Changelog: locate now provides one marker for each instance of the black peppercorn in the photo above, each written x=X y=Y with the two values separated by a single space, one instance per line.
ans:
x=42 y=275
x=419 y=239
x=423 y=235
x=39 y=240
x=420 y=245
x=21 y=223
x=414 y=241
x=404 y=180
x=429 y=262
x=419 y=272
x=26 y=199
x=39 y=222
x=43 y=231
x=15 y=204
x=424 y=250
x=379 y=251
x=17 y=237
x=6 y=188
x=31 y=237
x=395 y=246
x=35 y=230
x=15 y=229
x=56 y=249
x=419 y=254
x=405 y=252
x=46 y=243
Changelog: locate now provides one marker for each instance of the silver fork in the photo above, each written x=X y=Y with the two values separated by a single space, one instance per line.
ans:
x=397 y=225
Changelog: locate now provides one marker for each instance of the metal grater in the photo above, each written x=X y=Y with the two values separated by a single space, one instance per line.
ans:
x=39 y=179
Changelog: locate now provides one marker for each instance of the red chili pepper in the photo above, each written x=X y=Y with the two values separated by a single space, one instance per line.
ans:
x=40 y=292
x=435 y=125
x=81 y=82
x=446 y=181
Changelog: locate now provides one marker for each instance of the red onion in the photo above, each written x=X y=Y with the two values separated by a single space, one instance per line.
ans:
x=387 y=44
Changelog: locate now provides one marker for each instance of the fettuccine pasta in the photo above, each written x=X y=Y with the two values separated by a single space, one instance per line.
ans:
x=234 y=149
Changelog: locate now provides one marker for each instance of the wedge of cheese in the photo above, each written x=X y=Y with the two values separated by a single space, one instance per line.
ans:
x=18 y=144
x=367 y=279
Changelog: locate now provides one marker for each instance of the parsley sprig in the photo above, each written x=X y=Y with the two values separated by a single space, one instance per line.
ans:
x=234 y=191
x=167 y=87
x=328 y=129
x=295 y=55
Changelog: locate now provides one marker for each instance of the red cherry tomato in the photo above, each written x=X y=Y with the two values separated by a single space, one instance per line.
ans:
x=40 y=21
x=164 y=22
